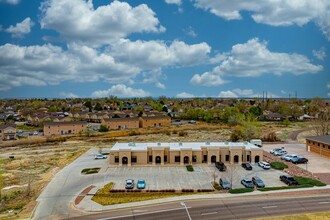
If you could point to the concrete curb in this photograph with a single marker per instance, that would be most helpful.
(87, 205)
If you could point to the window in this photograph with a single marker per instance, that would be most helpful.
(165, 158)
(177, 159)
(227, 157)
(318, 144)
(150, 158)
(116, 159)
(133, 159)
(329, 147)
(194, 158)
(205, 159)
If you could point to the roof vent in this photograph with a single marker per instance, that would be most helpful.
(180, 144)
(159, 144)
(226, 142)
(207, 143)
(246, 143)
(131, 144)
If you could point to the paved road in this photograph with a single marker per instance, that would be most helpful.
(54, 202)
(229, 208)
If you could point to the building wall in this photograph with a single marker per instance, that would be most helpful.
(226, 155)
(121, 124)
(317, 147)
(145, 122)
(59, 129)
(8, 133)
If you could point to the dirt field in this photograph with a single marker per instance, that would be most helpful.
(35, 165)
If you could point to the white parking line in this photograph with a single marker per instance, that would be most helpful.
(269, 207)
(209, 213)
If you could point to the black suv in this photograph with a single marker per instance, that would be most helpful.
(221, 166)
(247, 166)
(297, 160)
(289, 180)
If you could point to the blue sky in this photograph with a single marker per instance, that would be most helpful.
(176, 48)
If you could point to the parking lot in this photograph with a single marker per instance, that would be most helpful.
(177, 177)
(316, 163)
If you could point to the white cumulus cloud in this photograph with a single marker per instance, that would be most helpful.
(12, 2)
(320, 54)
(176, 2)
(68, 95)
(253, 59)
(227, 94)
(21, 28)
(120, 90)
(273, 12)
(185, 95)
(78, 20)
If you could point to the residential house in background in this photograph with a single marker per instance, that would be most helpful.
(120, 123)
(155, 121)
(319, 145)
(61, 128)
(8, 132)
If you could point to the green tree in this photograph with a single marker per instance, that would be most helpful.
(255, 110)
(103, 128)
(98, 107)
(88, 104)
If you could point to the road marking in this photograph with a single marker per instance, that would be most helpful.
(269, 207)
(146, 213)
(140, 210)
(209, 213)
(324, 202)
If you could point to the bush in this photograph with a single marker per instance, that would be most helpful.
(217, 186)
(168, 133)
(103, 128)
(278, 165)
(175, 132)
(190, 168)
(134, 133)
(183, 133)
(240, 190)
(90, 170)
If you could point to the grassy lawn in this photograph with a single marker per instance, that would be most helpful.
(304, 182)
(278, 165)
(307, 216)
(216, 186)
(240, 190)
(104, 197)
(90, 170)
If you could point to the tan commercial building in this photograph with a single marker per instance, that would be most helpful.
(8, 132)
(155, 121)
(319, 145)
(184, 153)
(120, 123)
(61, 128)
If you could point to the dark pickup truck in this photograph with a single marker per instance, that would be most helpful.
(221, 166)
(289, 180)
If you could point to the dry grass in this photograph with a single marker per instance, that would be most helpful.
(307, 216)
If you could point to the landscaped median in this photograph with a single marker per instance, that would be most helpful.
(304, 182)
(108, 196)
(278, 165)
(90, 170)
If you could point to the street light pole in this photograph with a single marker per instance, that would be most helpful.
(184, 205)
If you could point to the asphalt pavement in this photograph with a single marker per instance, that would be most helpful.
(55, 200)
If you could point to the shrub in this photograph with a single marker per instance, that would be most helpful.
(190, 168)
(217, 186)
(103, 128)
(134, 133)
(168, 133)
(278, 165)
(90, 170)
(183, 133)
(175, 132)
(240, 190)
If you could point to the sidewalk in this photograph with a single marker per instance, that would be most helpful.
(87, 205)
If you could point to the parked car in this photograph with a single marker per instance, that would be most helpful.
(192, 122)
(100, 156)
(264, 165)
(258, 182)
(224, 184)
(35, 133)
(289, 180)
(141, 184)
(221, 166)
(247, 183)
(299, 159)
(280, 152)
(274, 150)
(129, 184)
(288, 157)
(247, 166)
